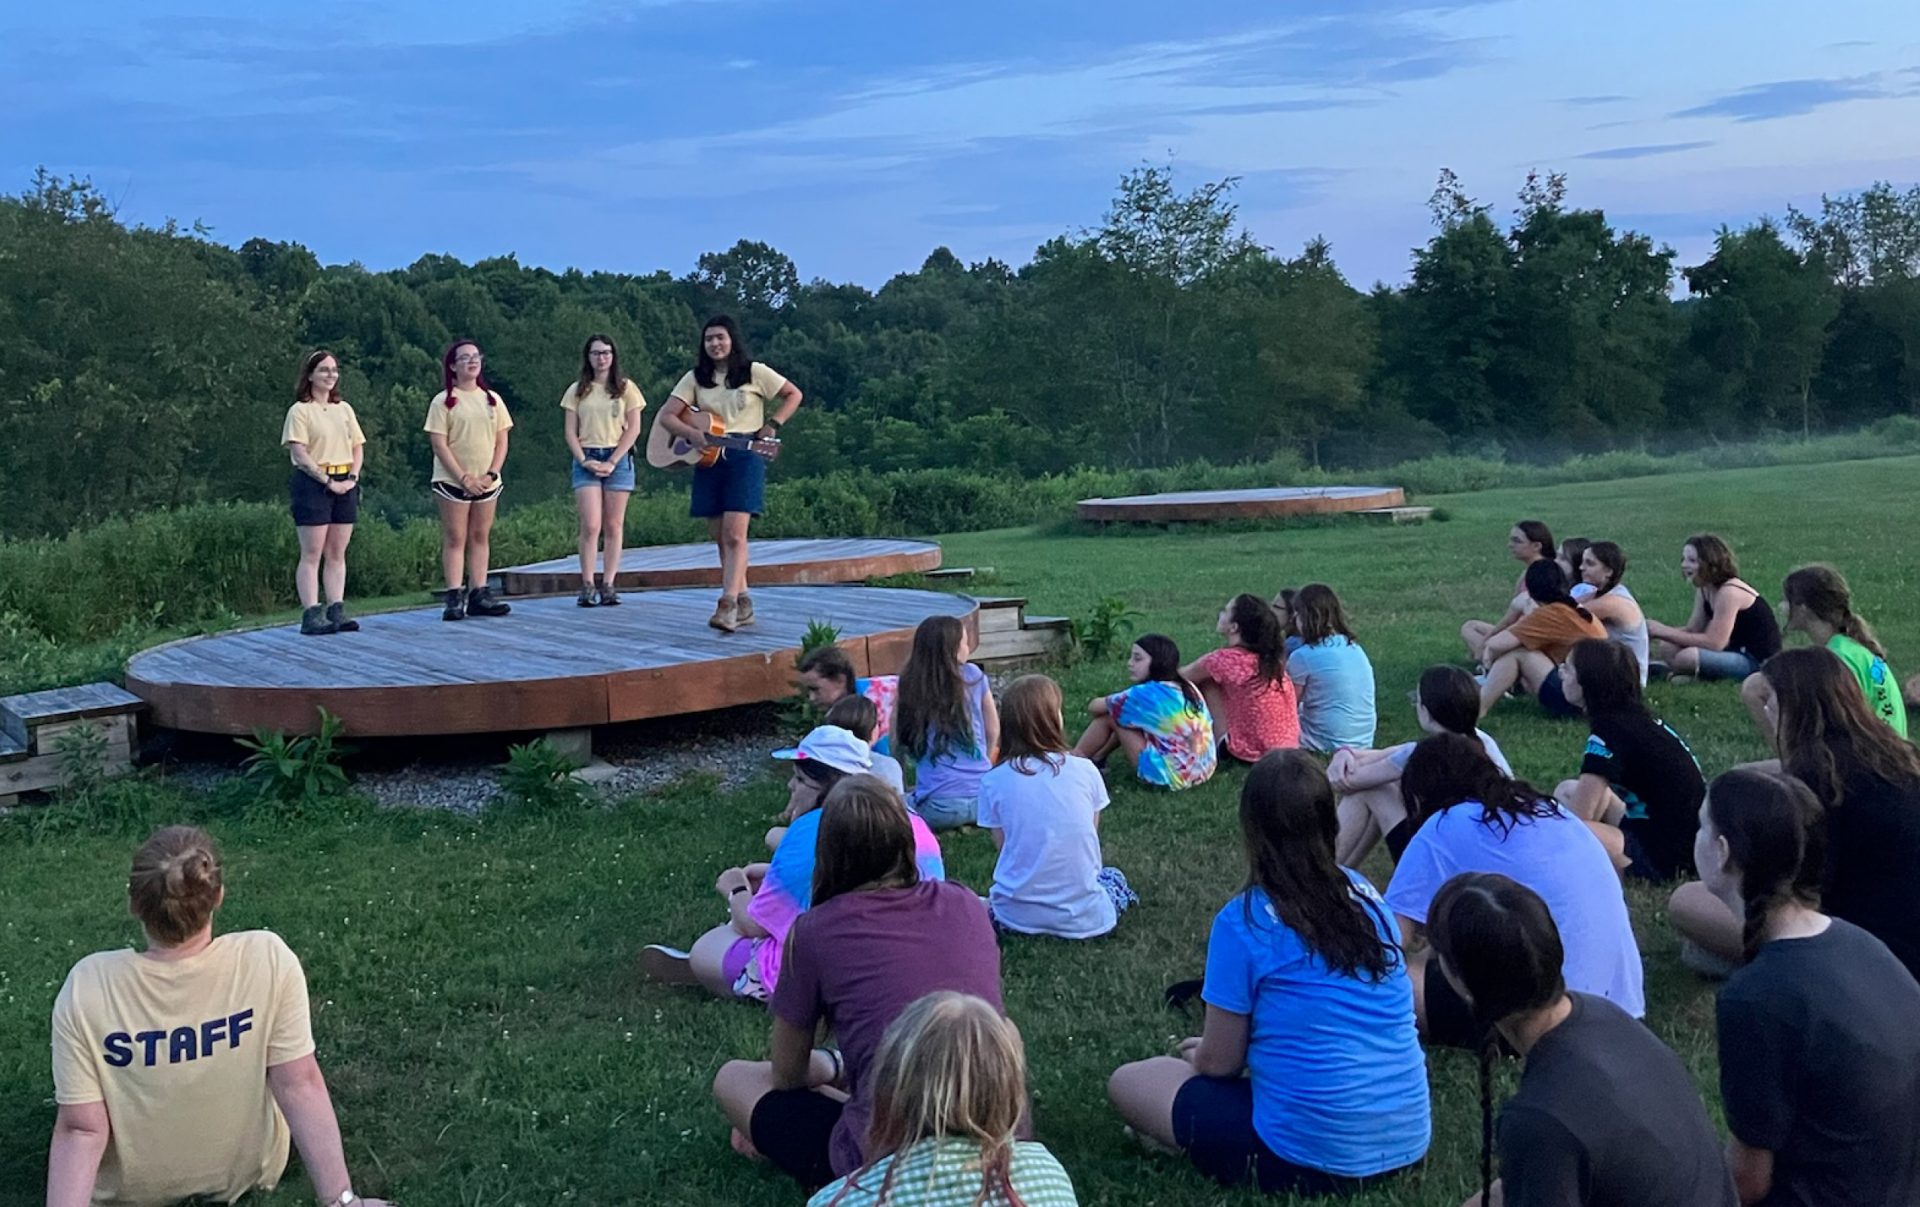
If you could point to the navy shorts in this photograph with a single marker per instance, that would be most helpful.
(794, 1130)
(315, 506)
(1213, 1122)
(736, 482)
(620, 480)
(1553, 698)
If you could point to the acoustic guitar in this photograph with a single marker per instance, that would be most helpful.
(666, 450)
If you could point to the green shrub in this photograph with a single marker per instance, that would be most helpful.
(539, 778)
(297, 778)
(1097, 636)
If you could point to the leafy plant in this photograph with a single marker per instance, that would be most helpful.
(83, 762)
(297, 778)
(540, 777)
(1097, 636)
(797, 713)
(819, 635)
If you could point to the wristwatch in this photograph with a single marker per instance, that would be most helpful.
(347, 1199)
(493, 475)
(353, 477)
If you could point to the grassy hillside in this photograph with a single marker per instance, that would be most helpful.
(475, 1001)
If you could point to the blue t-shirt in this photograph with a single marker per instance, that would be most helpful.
(1335, 681)
(1339, 1079)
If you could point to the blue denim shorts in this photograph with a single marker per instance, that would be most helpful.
(736, 482)
(946, 812)
(1726, 664)
(621, 479)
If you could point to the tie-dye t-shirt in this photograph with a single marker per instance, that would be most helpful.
(787, 891)
(882, 690)
(1179, 731)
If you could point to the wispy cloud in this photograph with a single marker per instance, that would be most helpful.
(1787, 98)
(1646, 151)
(1610, 99)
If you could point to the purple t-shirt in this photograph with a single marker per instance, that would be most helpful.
(956, 773)
(861, 958)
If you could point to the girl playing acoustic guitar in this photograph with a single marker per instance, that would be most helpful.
(727, 386)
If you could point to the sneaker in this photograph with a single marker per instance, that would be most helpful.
(668, 965)
(480, 602)
(743, 609)
(609, 598)
(1706, 963)
(314, 622)
(1658, 670)
(586, 599)
(724, 617)
(456, 605)
(337, 614)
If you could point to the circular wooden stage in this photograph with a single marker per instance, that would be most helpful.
(791, 561)
(550, 665)
(1266, 503)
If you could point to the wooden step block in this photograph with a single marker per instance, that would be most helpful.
(992, 602)
(1397, 515)
(21, 715)
(45, 768)
(11, 748)
(955, 574)
(1047, 622)
(1022, 643)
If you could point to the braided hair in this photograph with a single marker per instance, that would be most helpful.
(1496, 941)
(1776, 837)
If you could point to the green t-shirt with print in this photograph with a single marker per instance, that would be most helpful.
(1876, 679)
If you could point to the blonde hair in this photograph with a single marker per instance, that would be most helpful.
(175, 883)
(1031, 729)
(949, 1066)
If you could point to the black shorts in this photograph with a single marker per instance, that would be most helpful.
(315, 506)
(1449, 1018)
(453, 492)
(1553, 697)
(1213, 1122)
(794, 1130)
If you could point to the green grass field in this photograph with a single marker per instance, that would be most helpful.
(473, 982)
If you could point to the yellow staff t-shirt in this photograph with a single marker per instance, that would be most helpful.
(328, 429)
(742, 410)
(178, 1051)
(602, 416)
(469, 426)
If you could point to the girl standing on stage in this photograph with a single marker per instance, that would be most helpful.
(467, 424)
(729, 385)
(326, 444)
(603, 420)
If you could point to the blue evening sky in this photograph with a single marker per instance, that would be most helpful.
(857, 135)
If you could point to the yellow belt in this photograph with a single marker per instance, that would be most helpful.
(337, 469)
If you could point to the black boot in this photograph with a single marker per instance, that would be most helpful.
(609, 598)
(314, 623)
(337, 616)
(456, 605)
(587, 598)
(480, 602)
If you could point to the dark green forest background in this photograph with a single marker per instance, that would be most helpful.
(150, 367)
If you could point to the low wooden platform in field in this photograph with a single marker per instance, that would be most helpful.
(769, 562)
(550, 665)
(1189, 506)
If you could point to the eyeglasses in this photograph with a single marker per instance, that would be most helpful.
(598, 352)
(469, 358)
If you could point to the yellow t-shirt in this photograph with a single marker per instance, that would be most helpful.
(469, 427)
(603, 417)
(742, 410)
(328, 429)
(178, 1051)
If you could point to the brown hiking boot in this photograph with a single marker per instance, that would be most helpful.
(743, 610)
(725, 615)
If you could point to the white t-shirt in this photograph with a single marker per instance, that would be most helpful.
(1556, 856)
(888, 768)
(1401, 754)
(1047, 880)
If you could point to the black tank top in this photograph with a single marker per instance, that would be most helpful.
(1755, 632)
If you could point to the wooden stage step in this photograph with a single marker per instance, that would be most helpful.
(33, 727)
(550, 665)
(849, 560)
(1191, 506)
(1397, 515)
(1007, 633)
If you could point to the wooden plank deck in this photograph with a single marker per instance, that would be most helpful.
(550, 665)
(769, 562)
(1201, 505)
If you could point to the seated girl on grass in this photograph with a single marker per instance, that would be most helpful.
(1245, 682)
(1528, 542)
(1602, 567)
(1732, 629)
(858, 716)
(1530, 651)
(946, 722)
(1368, 781)
(1820, 605)
(1282, 605)
(827, 677)
(741, 958)
(1331, 674)
(1160, 723)
(1042, 805)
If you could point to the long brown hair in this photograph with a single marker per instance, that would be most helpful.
(1715, 556)
(175, 883)
(949, 1066)
(447, 376)
(1031, 729)
(1828, 734)
(1776, 837)
(931, 717)
(616, 382)
(865, 840)
(1260, 633)
(1823, 591)
(1318, 615)
(303, 392)
(1288, 823)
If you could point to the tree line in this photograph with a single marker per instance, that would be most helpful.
(142, 367)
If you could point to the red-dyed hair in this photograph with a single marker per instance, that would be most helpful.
(446, 373)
